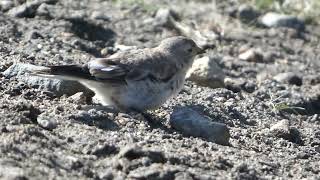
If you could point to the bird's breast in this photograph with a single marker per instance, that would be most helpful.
(149, 94)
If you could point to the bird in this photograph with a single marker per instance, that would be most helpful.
(134, 80)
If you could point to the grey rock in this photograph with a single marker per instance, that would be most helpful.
(28, 9)
(289, 78)
(5, 5)
(9, 170)
(163, 15)
(183, 176)
(78, 98)
(33, 35)
(57, 86)
(312, 79)
(154, 171)
(20, 69)
(251, 55)
(206, 72)
(47, 121)
(191, 123)
(99, 15)
(272, 19)
(281, 129)
(103, 150)
(47, 11)
(135, 152)
(247, 13)
(234, 85)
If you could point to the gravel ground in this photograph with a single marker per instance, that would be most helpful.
(270, 101)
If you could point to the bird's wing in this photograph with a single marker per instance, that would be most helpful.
(108, 69)
(133, 66)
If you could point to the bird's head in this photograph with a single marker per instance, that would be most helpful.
(181, 49)
(181, 46)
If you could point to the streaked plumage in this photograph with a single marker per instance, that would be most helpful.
(134, 80)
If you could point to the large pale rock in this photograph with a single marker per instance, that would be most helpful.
(206, 72)
(57, 86)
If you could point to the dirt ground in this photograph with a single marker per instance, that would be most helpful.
(274, 122)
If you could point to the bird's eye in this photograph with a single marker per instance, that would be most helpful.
(190, 50)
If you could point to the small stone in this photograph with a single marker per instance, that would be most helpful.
(191, 123)
(9, 170)
(281, 129)
(78, 98)
(247, 13)
(39, 46)
(47, 121)
(135, 152)
(162, 17)
(183, 176)
(314, 118)
(272, 19)
(33, 35)
(107, 51)
(289, 78)
(251, 55)
(121, 47)
(106, 174)
(312, 79)
(99, 15)
(154, 171)
(206, 72)
(6, 5)
(269, 57)
(249, 87)
(104, 150)
(45, 10)
(234, 85)
(27, 9)
(302, 155)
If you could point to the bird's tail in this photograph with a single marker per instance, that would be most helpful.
(66, 72)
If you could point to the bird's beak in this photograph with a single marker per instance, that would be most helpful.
(200, 50)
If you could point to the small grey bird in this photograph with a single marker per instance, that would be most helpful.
(135, 80)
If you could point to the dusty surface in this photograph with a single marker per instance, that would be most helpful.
(270, 138)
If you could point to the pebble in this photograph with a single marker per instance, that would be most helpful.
(27, 9)
(191, 123)
(99, 15)
(163, 15)
(78, 98)
(135, 152)
(281, 129)
(47, 121)
(205, 71)
(289, 78)
(247, 13)
(234, 85)
(251, 55)
(6, 5)
(272, 19)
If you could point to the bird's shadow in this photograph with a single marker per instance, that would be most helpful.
(97, 118)
(102, 121)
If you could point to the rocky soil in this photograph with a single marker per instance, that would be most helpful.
(253, 106)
